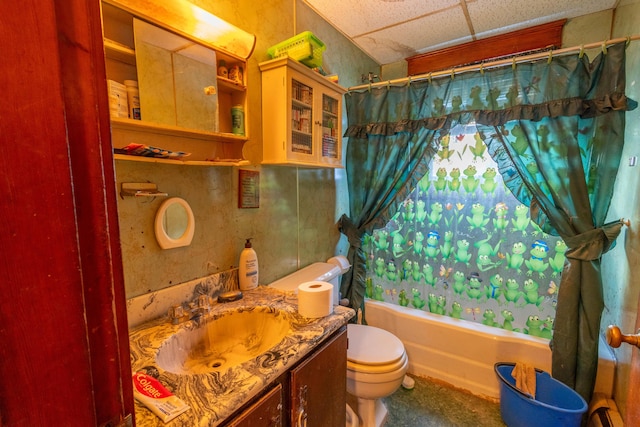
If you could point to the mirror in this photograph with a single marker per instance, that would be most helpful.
(175, 224)
(173, 73)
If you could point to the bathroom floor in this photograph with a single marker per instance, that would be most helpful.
(434, 404)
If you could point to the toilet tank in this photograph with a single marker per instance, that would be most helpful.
(329, 271)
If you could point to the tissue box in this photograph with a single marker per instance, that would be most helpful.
(118, 104)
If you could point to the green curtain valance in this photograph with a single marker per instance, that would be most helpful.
(584, 108)
(532, 91)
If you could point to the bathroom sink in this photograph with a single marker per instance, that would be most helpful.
(223, 342)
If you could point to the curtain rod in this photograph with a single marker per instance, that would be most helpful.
(497, 63)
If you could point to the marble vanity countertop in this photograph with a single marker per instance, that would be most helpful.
(214, 396)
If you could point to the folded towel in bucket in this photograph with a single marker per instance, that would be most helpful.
(525, 376)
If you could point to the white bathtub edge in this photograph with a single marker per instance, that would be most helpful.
(465, 352)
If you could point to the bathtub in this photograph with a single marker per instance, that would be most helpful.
(462, 353)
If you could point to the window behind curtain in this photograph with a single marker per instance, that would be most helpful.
(463, 246)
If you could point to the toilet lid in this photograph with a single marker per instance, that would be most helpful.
(369, 345)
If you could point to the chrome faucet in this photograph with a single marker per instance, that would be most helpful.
(201, 306)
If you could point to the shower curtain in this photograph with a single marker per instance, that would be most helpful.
(555, 129)
(463, 246)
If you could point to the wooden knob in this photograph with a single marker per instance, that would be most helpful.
(615, 338)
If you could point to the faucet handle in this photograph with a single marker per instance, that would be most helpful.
(176, 313)
(204, 302)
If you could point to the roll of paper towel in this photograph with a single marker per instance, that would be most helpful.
(315, 299)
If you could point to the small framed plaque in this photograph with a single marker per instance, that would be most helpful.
(248, 189)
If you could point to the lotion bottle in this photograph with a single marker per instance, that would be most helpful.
(248, 271)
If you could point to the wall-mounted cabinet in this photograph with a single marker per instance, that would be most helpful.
(185, 105)
(301, 116)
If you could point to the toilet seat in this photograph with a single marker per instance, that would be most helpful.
(378, 369)
(373, 350)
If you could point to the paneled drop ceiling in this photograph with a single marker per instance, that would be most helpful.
(392, 30)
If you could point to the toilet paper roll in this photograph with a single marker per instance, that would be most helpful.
(315, 299)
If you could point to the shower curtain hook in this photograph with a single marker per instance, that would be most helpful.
(581, 54)
(550, 56)
(628, 42)
(388, 84)
(369, 89)
(513, 63)
(453, 73)
(408, 81)
(482, 68)
(604, 47)
(430, 74)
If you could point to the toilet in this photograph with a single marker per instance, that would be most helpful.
(376, 366)
(376, 359)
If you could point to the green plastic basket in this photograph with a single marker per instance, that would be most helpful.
(304, 47)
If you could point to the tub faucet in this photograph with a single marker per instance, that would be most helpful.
(201, 306)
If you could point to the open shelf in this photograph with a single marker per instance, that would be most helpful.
(175, 131)
(119, 52)
(129, 158)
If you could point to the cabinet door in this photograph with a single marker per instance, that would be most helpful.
(302, 145)
(319, 386)
(266, 412)
(330, 147)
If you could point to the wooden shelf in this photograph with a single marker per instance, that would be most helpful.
(230, 84)
(129, 158)
(202, 144)
(176, 131)
(119, 52)
(539, 37)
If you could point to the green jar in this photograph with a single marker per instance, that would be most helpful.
(237, 120)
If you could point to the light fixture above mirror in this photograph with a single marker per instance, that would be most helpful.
(193, 22)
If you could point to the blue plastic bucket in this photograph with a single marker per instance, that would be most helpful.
(555, 404)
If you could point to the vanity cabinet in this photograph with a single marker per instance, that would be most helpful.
(301, 116)
(267, 411)
(185, 103)
(319, 386)
(313, 392)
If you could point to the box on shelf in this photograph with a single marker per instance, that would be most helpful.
(304, 47)
(118, 104)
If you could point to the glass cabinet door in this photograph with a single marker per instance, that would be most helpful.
(330, 144)
(301, 119)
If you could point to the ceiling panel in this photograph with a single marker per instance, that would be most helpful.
(401, 41)
(489, 15)
(392, 30)
(356, 17)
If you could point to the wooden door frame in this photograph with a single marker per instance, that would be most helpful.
(632, 410)
(63, 327)
(93, 175)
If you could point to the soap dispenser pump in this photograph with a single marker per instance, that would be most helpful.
(248, 270)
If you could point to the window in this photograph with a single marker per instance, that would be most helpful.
(463, 246)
